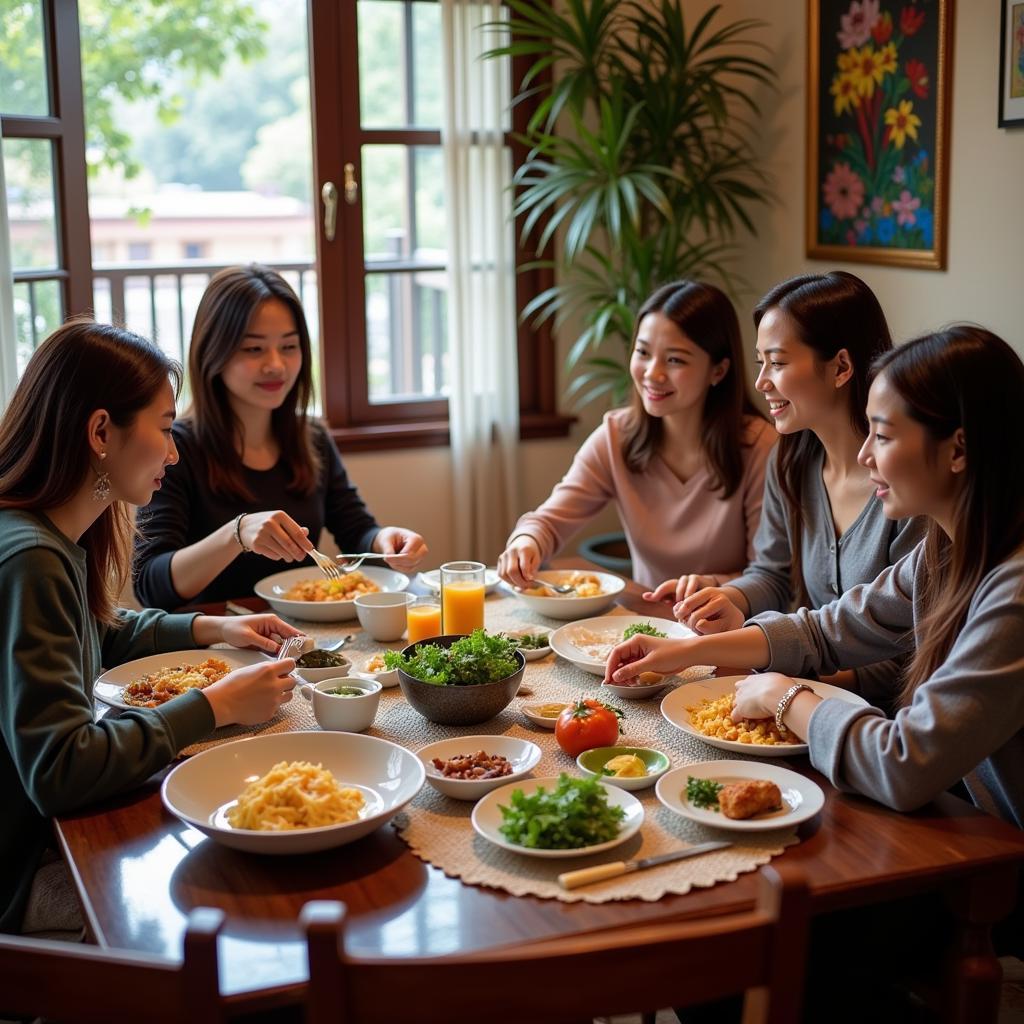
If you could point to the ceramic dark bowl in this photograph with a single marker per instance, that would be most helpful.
(459, 705)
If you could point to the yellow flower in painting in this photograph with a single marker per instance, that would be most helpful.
(901, 123)
(887, 59)
(866, 71)
(845, 92)
(846, 60)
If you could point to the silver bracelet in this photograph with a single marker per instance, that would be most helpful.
(787, 699)
(238, 531)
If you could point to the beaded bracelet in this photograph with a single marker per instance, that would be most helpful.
(787, 699)
(238, 532)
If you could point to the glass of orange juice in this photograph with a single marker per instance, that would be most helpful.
(423, 616)
(462, 597)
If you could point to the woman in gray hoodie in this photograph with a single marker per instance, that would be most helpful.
(939, 446)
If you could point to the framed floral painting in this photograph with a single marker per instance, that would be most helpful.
(1011, 65)
(878, 94)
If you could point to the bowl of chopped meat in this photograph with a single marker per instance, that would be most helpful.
(468, 767)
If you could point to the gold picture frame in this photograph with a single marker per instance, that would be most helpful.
(878, 120)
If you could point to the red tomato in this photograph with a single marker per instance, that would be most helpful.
(585, 725)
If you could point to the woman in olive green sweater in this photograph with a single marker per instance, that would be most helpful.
(86, 433)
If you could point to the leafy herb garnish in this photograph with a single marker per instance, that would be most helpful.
(703, 792)
(641, 627)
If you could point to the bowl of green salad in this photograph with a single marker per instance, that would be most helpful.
(459, 680)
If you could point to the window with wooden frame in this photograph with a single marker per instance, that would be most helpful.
(44, 164)
(376, 72)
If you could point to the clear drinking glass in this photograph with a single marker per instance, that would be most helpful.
(423, 617)
(462, 597)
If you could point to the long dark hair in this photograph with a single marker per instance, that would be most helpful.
(706, 316)
(44, 447)
(225, 312)
(829, 312)
(963, 378)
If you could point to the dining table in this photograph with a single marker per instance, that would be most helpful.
(139, 871)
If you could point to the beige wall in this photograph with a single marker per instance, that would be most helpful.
(985, 272)
(983, 282)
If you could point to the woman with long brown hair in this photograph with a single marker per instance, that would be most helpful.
(258, 478)
(87, 433)
(822, 529)
(938, 447)
(684, 462)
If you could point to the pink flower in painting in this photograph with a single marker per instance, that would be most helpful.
(844, 192)
(857, 23)
(876, 204)
(904, 208)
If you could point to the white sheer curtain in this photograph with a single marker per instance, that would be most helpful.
(483, 371)
(8, 352)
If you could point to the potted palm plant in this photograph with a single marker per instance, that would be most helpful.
(651, 172)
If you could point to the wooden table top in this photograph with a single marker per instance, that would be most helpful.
(140, 871)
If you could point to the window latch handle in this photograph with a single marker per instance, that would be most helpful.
(329, 194)
(351, 185)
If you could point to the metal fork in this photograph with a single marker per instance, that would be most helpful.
(327, 565)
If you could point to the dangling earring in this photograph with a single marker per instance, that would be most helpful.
(101, 489)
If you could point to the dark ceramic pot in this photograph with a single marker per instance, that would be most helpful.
(459, 705)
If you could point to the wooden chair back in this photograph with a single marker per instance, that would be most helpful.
(634, 969)
(70, 983)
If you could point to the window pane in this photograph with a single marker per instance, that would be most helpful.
(23, 85)
(407, 335)
(38, 310)
(399, 47)
(28, 166)
(403, 204)
(206, 163)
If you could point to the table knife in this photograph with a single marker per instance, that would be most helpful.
(586, 876)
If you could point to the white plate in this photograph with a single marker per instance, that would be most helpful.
(535, 653)
(562, 639)
(555, 606)
(108, 686)
(273, 588)
(487, 818)
(801, 798)
(674, 709)
(200, 790)
(432, 580)
(544, 723)
(521, 754)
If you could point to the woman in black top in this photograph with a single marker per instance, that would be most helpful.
(257, 480)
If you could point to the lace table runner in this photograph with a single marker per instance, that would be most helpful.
(438, 830)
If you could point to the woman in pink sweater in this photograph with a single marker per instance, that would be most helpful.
(684, 462)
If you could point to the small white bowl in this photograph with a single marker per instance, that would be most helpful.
(344, 714)
(531, 653)
(522, 754)
(202, 788)
(545, 723)
(387, 678)
(555, 606)
(383, 615)
(642, 691)
(273, 588)
(316, 675)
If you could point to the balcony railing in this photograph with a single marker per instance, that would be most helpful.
(159, 300)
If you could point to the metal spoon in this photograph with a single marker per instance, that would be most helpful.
(558, 588)
(336, 645)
